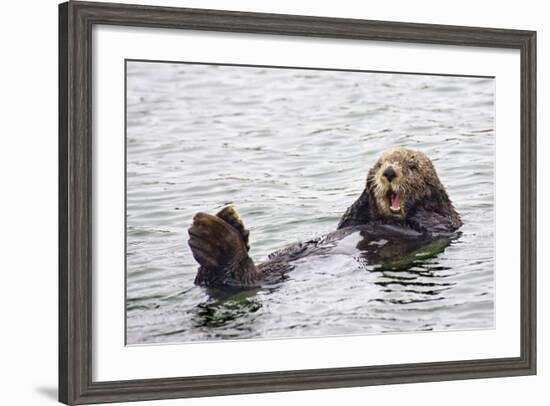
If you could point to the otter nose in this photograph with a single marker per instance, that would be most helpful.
(389, 174)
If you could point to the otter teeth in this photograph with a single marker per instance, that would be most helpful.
(395, 202)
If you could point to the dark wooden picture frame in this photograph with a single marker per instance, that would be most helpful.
(76, 20)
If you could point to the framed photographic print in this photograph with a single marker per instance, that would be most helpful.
(257, 202)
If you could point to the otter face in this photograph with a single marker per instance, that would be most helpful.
(399, 180)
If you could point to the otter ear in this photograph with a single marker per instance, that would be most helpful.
(231, 216)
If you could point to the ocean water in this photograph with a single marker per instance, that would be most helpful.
(290, 149)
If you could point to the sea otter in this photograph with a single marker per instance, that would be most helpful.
(402, 207)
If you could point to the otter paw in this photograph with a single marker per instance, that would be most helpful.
(230, 215)
(215, 243)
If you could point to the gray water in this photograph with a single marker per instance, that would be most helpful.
(290, 149)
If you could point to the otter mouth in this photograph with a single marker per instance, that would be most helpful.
(394, 201)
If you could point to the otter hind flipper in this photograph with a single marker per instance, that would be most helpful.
(230, 215)
(222, 253)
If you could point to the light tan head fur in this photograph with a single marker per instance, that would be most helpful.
(401, 179)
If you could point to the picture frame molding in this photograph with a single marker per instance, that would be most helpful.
(76, 20)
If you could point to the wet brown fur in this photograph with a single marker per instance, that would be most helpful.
(221, 248)
(220, 243)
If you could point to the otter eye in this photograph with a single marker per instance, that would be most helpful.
(413, 167)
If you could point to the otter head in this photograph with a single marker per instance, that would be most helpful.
(400, 180)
